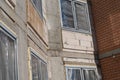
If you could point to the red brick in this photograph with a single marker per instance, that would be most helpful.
(106, 18)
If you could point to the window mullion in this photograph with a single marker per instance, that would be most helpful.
(74, 14)
(82, 74)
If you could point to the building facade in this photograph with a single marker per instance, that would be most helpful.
(106, 18)
(47, 40)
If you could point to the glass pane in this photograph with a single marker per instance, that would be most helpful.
(7, 57)
(89, 75)
(86, 75)
(74, 74)
(92, 75)
(67, 15)
(43, 71)
(46, 75)
(82, 16)
(38, 5)
(35, 71)
(39, 69)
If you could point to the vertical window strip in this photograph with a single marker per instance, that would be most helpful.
(8, 56)
(39, 68)
(67, 13)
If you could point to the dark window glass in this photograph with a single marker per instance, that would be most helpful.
(35, 69)
(82, 16)
(39, 69)
(89, 75)
(74, 74)
(75, 15)
(67, 15)
(44, 71)
(38, 6)
(7, 57)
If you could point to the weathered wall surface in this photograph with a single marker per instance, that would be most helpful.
(57, 47)
(36, 21)
(56, 68)
(111, 68)
(7, 18)
(77, 41)
(52, 17)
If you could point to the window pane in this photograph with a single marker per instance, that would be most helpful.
(67, 15)
(38, 5)
(7, 57)
(89, 75)
(74, 74)
(82, 16)
(35, 70)
(44, 71)
(39, 69)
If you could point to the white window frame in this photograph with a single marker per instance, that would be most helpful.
(81, 70)
(6, 30)
(75, 17)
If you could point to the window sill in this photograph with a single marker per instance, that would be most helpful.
(11, 3)
(76, 30)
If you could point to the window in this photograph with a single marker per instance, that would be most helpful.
(7, 56)
(81, 74)
(11, 3)
(75, 15)
(38, 6)
(39, 68)
(74, 74)
(89, 74)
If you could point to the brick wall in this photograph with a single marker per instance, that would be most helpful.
(111, 68)
(106, 14)
(106, 18)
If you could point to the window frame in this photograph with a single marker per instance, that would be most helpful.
(39, 13)
(8, 32)
(76, 29)
(41, 60)
(11, 3)
(81, 70)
